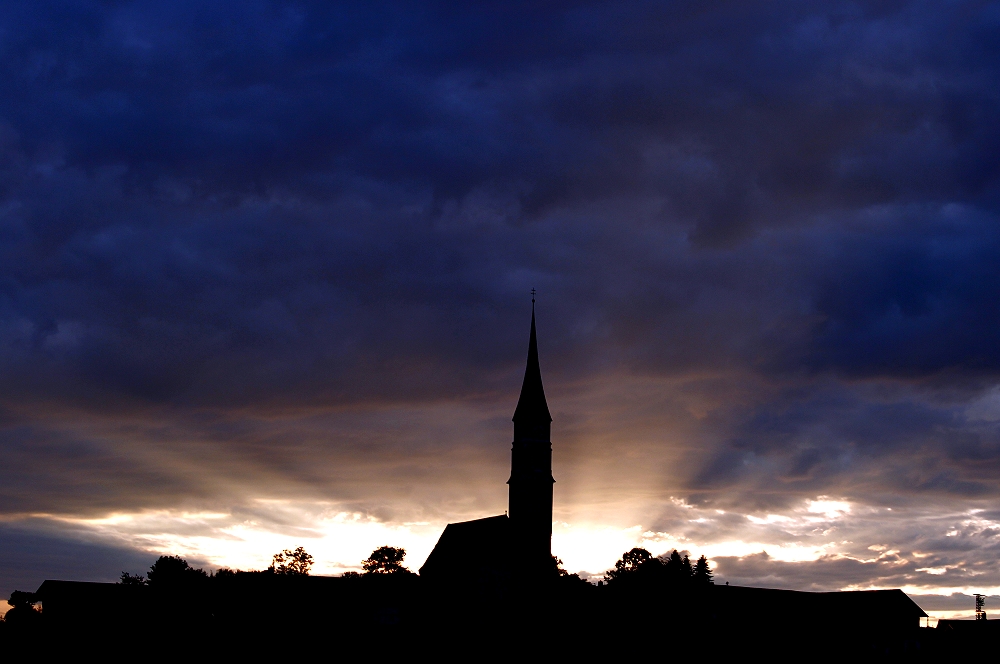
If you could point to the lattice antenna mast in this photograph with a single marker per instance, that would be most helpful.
(980, 607)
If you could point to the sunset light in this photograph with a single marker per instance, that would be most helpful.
(434, 321)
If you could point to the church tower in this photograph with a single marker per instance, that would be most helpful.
(530, 492)
(516, 546)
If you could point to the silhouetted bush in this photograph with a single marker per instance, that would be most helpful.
(563, 579)
(127, 579)
(557, 567)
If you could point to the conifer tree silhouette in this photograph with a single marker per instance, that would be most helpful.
(702, 572)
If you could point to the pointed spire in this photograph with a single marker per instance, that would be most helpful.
(531, 406)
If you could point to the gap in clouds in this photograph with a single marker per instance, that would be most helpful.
(247, 536)
(820, 545)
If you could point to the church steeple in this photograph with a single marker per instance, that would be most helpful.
(531, 406)
(530, 493)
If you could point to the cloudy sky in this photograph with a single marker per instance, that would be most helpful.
(264, 276)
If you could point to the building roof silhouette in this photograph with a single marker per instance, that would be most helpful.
(969, 626)
(877, 609)
(471, 549)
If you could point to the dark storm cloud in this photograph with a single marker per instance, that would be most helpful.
(193, 186)
(217, 219)
(816, 436)
(27, 555)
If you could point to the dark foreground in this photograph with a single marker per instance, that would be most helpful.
(256, 616)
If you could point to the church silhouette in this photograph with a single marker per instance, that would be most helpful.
(487, 582)
(519, 543)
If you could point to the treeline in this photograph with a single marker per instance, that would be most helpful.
(636, 568)
(175, 573)
(174, 570)
(640, 567)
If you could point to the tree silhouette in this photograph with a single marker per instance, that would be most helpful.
(22, 600)
(702, 572)
(385, 560)
(557, 567)
(629, 564)
(173, 570)
(292, 563)
(563, 577)
(127, 579)
(23, 612)
(674, 565)
(671, 570)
